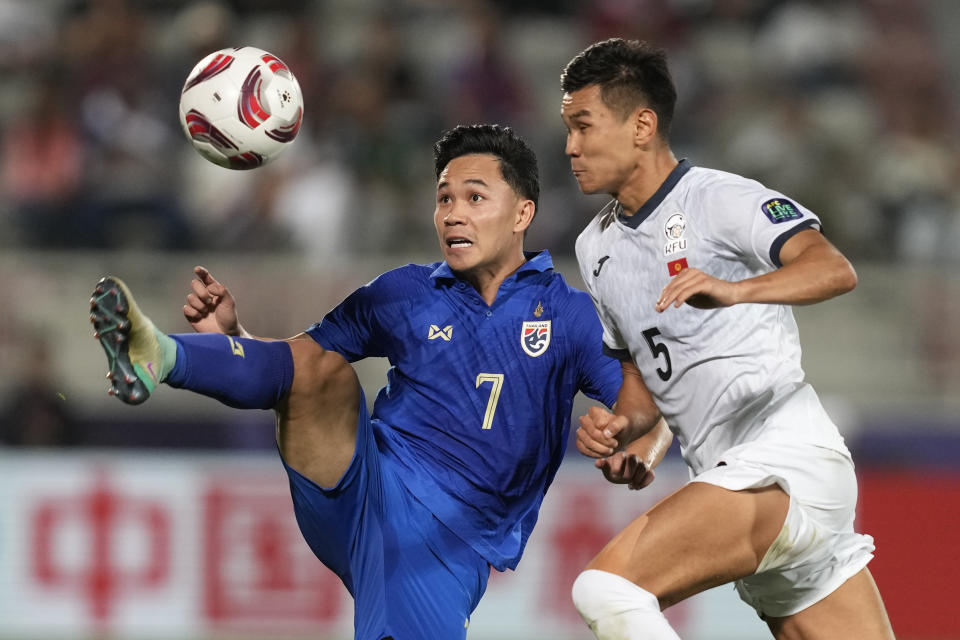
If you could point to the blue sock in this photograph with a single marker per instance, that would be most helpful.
(239, 372)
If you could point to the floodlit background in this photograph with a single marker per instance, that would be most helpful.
(172, 520)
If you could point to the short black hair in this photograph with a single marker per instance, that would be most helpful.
(518, 162)
(630, 73)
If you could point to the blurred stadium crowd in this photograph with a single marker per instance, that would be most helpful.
(850, 106)
(846, 105)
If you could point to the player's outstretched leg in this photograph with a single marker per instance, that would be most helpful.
(244, 373)
(138, 355)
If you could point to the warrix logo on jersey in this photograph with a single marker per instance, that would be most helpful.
(444, 334)
(535, 337)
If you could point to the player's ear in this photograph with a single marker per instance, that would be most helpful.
(645, 126)
(525, 211)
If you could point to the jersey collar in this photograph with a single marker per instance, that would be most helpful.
(537, 261)
(650, 205)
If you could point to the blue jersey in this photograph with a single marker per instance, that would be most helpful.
(476, 410)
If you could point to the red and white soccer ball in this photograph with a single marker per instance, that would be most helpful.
(241, 107)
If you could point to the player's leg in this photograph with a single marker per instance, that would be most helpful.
(242, 373)
(316, 392)
(855, 610)
(317, 419)
(699, 537)
(614, 608)
(138, 355)
(435, 580)
(409, 575)
(814, 583)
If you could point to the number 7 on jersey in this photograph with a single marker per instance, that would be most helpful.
(496, 380)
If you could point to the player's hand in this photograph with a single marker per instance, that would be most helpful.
(625, 468)
(210, 308)
(698, 290)
(597, 434)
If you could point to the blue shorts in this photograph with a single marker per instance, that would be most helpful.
(410, 576)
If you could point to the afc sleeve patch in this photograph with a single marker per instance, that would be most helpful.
(780, 210)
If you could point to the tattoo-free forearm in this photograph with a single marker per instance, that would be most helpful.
(635, 403)
(813, 271)
(653, 445)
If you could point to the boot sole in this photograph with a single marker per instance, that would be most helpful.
(109, 309)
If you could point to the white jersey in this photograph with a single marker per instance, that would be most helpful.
(715, 374)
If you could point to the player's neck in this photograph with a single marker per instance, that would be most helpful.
(487, 279)
(651, 172)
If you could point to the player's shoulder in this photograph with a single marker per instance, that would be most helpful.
(723, 197)
(403, 280)
(721, 182)
(713, 185)
(571, 301)
(597, 226)
(411, 271)
(561, 288)
(540, 272)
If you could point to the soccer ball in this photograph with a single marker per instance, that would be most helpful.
(241, 107)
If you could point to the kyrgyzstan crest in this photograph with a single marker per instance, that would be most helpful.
(674, 230)
(535, 337)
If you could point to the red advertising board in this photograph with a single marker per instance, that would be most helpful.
(914, 518)
(258, 571)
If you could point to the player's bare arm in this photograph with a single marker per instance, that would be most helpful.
(603, 432)
(634, 403)
(813, 271)
(634, 465)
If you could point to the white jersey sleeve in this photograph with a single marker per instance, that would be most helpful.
(751, 222)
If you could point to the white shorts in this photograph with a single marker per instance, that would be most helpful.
(817, 550)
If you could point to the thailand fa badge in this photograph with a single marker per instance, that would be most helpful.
(535, 337)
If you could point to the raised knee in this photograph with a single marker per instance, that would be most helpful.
(587, 594)
(317, 424)
(616, 609)
(317, 370)
(601, 594)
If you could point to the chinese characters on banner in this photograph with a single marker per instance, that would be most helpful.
(196, 546)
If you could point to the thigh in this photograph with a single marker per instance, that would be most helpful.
(818, 549)
(341, 521)
(854, 610)
(699, 537)
(409, 575)
(434, 581)
(317, 420)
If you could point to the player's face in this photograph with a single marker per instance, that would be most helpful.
(600, 142)
(479, 218)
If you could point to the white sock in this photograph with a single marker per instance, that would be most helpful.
(616, 609)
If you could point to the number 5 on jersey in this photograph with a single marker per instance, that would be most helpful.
(496, 380)
(659, 349)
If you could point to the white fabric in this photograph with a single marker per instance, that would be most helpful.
(616, 609)
(727, 366)
(729, 381)
(817, 549)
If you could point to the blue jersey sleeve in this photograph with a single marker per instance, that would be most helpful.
(353, 328)
(600, 375)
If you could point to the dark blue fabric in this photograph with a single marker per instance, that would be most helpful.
(449, 351)
(410, 576)
(239, 372)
